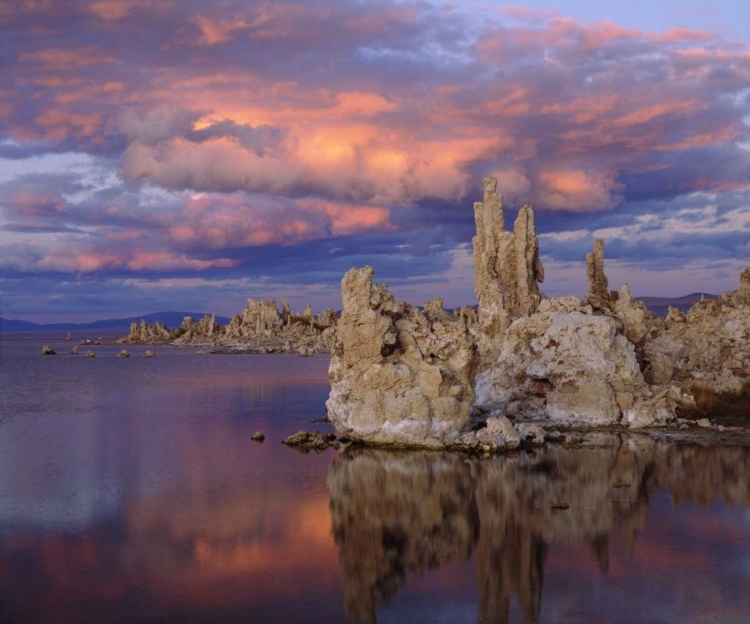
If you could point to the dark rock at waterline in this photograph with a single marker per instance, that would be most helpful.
(313, 440)
(258, 436)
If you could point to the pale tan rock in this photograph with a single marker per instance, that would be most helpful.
(74, 350)
(397, 378)
(149, 354)
(89, 354)
(660, 369)
(499, 433)
(266, 329)
(562, 366)
(597, 294)
(710, 345)
(634, 315)
(507, 264)
(48, 350)
(123, 354)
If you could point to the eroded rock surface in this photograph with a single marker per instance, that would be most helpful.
(398, 376)
(597, 294)
(568, 367)
(401, 376)
(507, 264)
(261, 328)
(710, 345)
(310, 440)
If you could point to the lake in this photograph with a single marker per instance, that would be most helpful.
(130, 491)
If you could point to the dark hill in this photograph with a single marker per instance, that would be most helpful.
(171, 319)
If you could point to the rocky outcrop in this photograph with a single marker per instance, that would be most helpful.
(404, 377)
(710, 345)
(597, 294)
(261, 328)
(398, 376)
(507, 264)
(634, 315)
(573, 367)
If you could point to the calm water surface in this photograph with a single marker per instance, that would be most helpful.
(130, 491)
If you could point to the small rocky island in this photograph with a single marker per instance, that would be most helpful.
(524, 363)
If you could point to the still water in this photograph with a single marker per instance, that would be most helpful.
(130, 491)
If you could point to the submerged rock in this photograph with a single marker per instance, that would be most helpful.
(48, 350)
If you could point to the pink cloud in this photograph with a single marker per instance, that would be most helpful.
(578, 190)
(136, 260)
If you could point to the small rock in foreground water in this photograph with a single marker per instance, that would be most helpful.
(123, 354)
(149, 354)
(47, 350)
(258, 436)
(90, 354)
(311, 440)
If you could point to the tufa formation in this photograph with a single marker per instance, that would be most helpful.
(493, 379)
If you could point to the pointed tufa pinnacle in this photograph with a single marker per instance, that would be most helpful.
(743, 291)
(507, 264)
(597, 294)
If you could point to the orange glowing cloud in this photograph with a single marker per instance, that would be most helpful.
(578, 190)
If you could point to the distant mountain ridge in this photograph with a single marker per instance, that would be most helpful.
(659, 305)
(170, 318)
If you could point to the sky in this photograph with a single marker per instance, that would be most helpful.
(187, 155)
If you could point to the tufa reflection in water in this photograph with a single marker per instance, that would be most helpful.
(399, 513)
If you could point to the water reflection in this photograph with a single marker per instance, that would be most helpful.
(399, 514)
